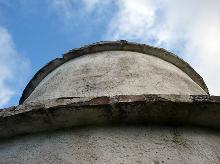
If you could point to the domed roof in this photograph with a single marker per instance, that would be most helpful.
(114, 68)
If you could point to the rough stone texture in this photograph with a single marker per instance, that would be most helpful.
(48, 115)
(116, 144)
(154, 108)
(112, 73)
(121, 129)
(113, 46)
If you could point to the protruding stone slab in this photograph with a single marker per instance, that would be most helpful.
(48, 115)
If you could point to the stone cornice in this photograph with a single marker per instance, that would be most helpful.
(49, 115)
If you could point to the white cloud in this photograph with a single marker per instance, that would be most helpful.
(13, 68)
(90, 5)
(132, 20)
(71, 10)
(64, 7)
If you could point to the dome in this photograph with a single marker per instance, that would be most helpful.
(114, 68)
(113, 102)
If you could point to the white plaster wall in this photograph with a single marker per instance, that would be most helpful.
(112, 73)
(115, 144)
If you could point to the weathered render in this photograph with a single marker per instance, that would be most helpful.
(123, 62)
(113, 102)
(115, 144)
(112, 73)
(119, 129)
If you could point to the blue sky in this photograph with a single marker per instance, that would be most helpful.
(34, 32)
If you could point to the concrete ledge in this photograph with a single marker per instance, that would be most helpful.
(113, 46)
(49, 115)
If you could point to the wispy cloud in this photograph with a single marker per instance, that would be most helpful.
(13, 68)
(132, 20)
(71, 10)
(65, 8)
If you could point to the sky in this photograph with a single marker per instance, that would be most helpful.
(34, 32)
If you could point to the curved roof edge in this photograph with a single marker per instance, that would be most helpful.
(121, 45)
(200, 111)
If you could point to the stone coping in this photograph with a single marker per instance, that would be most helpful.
(49, 115)
(112, 46)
